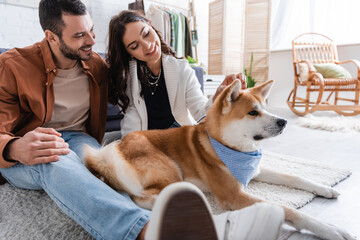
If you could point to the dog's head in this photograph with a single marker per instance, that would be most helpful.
(239, 119)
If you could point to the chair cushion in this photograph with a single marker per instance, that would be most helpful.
(332, 70)
(303, 72)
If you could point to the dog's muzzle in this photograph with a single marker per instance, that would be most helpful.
(272, 130)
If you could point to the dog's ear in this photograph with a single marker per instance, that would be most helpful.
(232, 93)
(263, 90)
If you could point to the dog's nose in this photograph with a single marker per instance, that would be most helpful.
(281, 123)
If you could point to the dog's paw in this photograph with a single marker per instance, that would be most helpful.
(331, 232)
(341, 234)
(327, 192)
(320, 228)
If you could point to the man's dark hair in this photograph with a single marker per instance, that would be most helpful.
(50, 13)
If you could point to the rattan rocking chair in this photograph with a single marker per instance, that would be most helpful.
(314, 48)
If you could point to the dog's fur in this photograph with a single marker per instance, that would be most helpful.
(144, 162)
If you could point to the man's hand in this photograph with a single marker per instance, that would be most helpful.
(42, 145)
(228, 80)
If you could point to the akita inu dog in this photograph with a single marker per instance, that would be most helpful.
(220, 155)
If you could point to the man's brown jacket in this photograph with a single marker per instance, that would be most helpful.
(27, 94)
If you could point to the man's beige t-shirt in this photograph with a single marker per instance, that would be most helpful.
(72, 100)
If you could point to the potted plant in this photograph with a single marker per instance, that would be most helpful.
(250, 81)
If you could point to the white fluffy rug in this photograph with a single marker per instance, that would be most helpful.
(26, 214)
(333, 124)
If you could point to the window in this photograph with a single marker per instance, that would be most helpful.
(337, 19)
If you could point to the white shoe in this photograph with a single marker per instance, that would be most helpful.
(260, 221)
(181, 212)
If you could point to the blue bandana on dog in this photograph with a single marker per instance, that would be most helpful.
(241, 164)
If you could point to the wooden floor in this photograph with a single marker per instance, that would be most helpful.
(339, 149)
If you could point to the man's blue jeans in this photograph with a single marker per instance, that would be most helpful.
(103, 212)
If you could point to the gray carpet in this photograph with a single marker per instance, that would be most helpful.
(28, 214)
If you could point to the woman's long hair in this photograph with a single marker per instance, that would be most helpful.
(118, 58)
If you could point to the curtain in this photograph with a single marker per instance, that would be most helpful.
(336, 19)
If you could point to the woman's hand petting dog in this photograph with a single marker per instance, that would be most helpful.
(228, 80)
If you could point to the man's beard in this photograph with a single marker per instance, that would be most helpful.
(73, 54)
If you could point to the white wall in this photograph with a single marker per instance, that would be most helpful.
(101, 12)
(202, 20)
(282, 71)
(19, 26)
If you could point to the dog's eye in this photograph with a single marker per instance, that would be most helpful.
(253, 113)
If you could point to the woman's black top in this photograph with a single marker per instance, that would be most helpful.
(158, 105)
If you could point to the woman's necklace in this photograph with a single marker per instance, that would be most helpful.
(153, 84)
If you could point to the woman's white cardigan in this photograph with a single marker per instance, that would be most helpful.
(187, 102)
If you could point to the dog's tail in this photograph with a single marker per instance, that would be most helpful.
(107, 164)
(94, 161)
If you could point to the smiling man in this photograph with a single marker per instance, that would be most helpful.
(53, 100)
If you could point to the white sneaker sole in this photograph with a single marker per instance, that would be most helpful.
(181, 212)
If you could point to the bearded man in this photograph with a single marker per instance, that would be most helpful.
(53, 100)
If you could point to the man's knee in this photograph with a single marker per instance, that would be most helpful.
(22, 176)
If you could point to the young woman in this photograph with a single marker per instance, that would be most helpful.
(154, 88)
